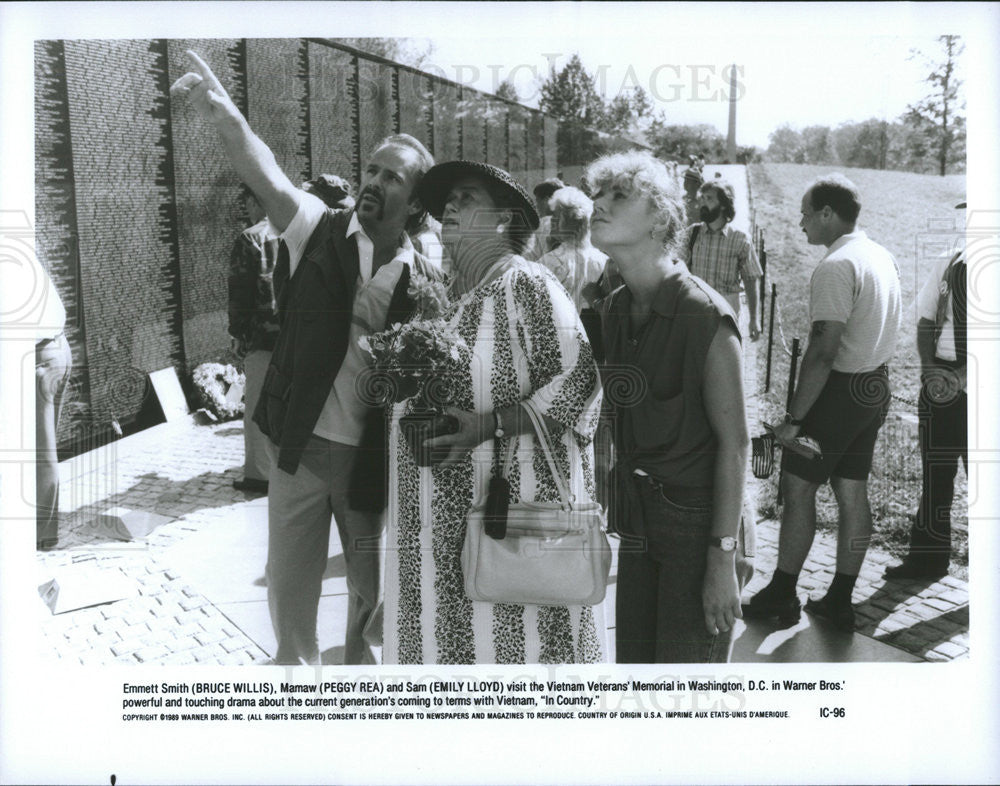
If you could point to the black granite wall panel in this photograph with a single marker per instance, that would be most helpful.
(447, 128)
(516, 132)
(127, 238)
(56, 241)
(333, 94)
(415, 106)
(377, 111)
(206, 191)
(535, 146)
(471, 111)
(495, 119)
(277, 90)
(551, 147)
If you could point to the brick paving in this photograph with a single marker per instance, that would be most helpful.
(183, 472)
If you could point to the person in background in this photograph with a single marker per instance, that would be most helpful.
(574, 260)
(425, 234)
(721, 254)
(253, 319)
(942, 409)
(53, 365)
(840, 401)
(542, 241)
(692, 179)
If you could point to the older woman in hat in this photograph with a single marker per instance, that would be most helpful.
(525, 342)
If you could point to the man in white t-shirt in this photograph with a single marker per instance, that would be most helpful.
(842, 397)
(339, 275)
(943, 415)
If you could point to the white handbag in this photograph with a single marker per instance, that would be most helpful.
(548, 553)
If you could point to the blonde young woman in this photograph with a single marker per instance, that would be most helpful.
(681, 441)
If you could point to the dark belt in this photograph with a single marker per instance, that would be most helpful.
(46, 341)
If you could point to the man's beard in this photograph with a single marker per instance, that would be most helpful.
(709, 215)
(377, 211)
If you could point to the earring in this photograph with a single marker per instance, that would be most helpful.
(500, 229)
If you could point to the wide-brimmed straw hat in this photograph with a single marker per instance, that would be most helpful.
(437, 182)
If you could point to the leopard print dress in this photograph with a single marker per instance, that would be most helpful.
(428, 617)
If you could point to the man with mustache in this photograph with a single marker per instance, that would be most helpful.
(722, 255)
(339, 275)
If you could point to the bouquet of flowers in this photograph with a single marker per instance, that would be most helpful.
(413, 361)
(407, 356)
(430, 297)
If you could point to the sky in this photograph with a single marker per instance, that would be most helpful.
(780, 78)
(801, 64)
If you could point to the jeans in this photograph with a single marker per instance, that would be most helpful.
(660, 617)
(299, 509)
(257, 463)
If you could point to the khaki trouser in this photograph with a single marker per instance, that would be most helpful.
(257, 462)
(299, 508)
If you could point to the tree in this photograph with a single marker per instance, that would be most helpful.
(864, 144)
(570, 95)
(937, 114)
(507, 91)
(627, 112)
(818, 145)
(785, 145)
(677, 142)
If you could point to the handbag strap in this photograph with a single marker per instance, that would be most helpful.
(545, 440)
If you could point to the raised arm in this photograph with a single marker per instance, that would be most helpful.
(251, 158)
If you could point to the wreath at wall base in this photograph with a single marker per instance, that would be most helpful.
(220, 389)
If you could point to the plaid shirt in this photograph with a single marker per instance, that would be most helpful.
(721, 258)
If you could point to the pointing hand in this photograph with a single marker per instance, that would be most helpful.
(205, 93)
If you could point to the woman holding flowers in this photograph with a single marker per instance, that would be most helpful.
(512, 335)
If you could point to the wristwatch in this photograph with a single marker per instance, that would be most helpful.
(499, 433)
(792, 421)
(724, 544)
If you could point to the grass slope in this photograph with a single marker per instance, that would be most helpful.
(914, 217)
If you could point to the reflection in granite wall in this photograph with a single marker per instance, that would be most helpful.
(206, 190)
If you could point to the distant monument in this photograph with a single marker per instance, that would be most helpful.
(731, 136)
